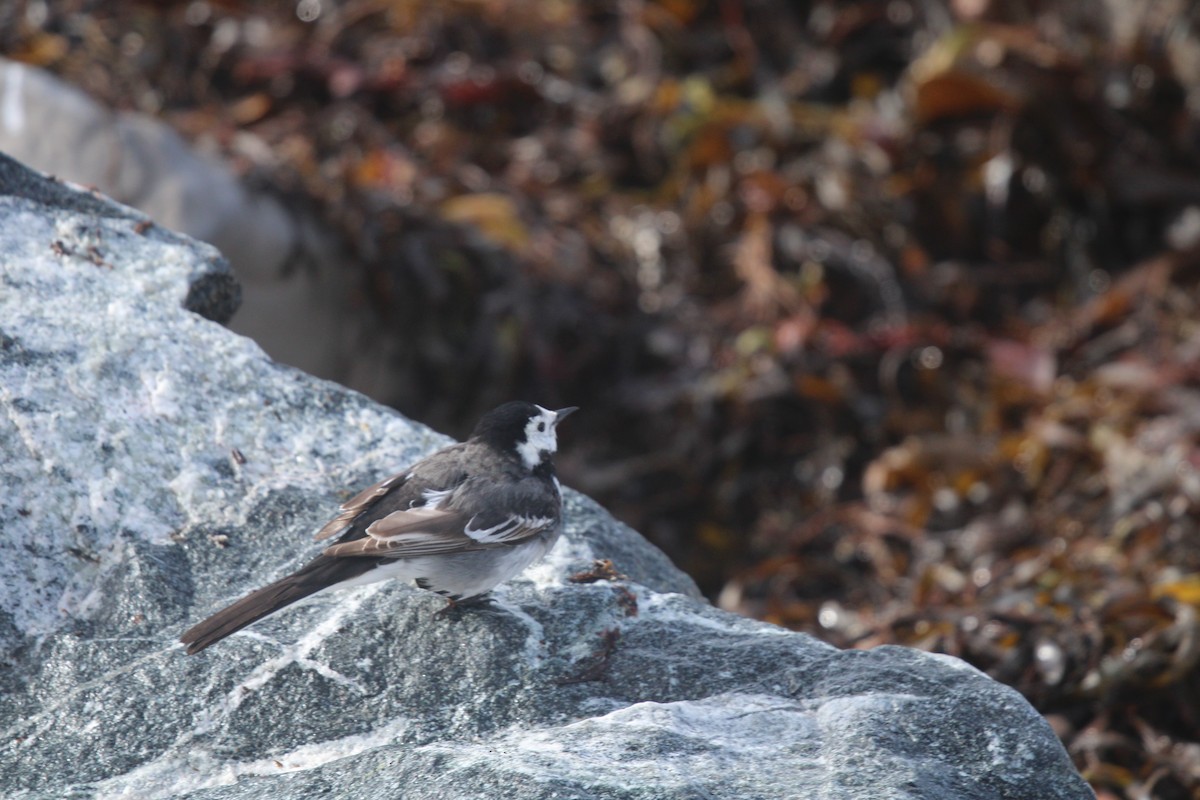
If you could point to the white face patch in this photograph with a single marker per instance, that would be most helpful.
(539, 438)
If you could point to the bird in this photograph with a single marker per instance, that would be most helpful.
(459, 523)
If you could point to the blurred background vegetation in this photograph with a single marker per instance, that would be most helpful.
(883, 315)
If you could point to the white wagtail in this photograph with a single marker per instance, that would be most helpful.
(459, 523)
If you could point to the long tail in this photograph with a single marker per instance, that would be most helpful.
(318, 574)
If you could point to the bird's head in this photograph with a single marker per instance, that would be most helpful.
(526, 429)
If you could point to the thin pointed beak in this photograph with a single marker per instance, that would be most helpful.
(563, 413)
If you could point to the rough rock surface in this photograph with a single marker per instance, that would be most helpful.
(294, 291)
(157, 466)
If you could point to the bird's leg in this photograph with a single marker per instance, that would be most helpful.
(454, 608)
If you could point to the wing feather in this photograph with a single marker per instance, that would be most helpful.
(510, 530)
(427, 531)
(359, 503)
(421, 519)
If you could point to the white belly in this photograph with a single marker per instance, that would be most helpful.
(461, 575)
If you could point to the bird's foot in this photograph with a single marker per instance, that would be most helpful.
(454, 609)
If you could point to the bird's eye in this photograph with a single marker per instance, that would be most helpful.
(541, 427)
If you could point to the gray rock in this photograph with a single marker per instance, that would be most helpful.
(157, 466)
(295, 282)
(139, 160)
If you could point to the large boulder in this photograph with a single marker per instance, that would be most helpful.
(295, 296)
(156, 466)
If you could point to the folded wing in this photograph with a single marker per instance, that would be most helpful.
(356, 505)
(435, 531)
